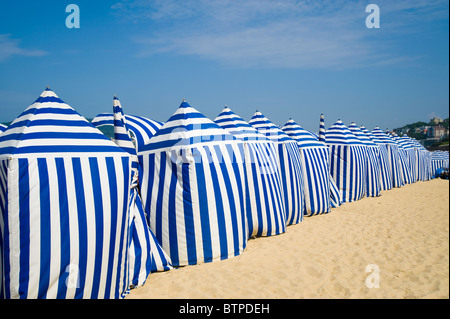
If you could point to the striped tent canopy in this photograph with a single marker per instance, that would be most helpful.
(316, 173)
(373, 168)
(395, 167)
(3, 127)
(385, 168)
(64, 191)
(289, 164)
(141, 127)
(266, 213)
(347, 161)
(145, 253)
(193, 189)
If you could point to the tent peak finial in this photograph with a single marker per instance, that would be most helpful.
(184, 100)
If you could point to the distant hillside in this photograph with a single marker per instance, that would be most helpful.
(418, 130)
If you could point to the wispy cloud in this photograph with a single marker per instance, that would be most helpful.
(10, 47)
(282, 34)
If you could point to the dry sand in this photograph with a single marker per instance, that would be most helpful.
(404, 232)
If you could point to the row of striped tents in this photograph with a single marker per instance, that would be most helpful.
(289, 165)
(146, 254)
(193, 189)
(347, 161)
(140, 128)
(266, 215)
(373, 168)
(314, 157)
(64, 198)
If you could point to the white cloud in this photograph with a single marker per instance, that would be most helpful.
(10, 47)
(269, 33)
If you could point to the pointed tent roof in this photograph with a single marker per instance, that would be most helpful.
(268, 129)
(368, 133)
(303, 137)
(322, 128)
(417, 144)
(406, 142)
(121, 134)
(51, 127)
(338, 133)
(361, 135)
(237, 126)
(187, 127)
(380, 137)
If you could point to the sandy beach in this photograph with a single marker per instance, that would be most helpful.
(403, 236)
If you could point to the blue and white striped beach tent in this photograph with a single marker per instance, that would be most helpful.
(393, 156)
(64, 199)
(385, 168)
(3, 127)
(316, 172)
(405, 169)
(289, 164)
(423, 158)
(193, 189)
(373, 169)
(335, 194)
(141, 127)
(347, 161)
(410, 151)
(145, 253)
(439, 160)
(266, 214)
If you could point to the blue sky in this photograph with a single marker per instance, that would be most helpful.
(288, 59)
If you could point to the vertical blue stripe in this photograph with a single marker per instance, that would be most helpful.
(219, 210)
(98, 213)
(113, 190)
(173, 243)
(5, 253)
(124, 233)
(24, 227)
(188, 215)
(231, 197)
(159, 201)
(45, 228)
(64, 227)
(82, 226)
(204, 210)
